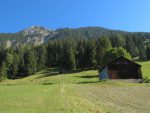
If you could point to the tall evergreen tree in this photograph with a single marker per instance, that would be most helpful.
(142, 52)
(130, 46)
(29, 63)
(15, 66)
(81, 61)
(69, 57)
(118, 40)
(91, 54)
(9, 61)
(3, 71)
(148, 52)
(41, 57)
(103, 44)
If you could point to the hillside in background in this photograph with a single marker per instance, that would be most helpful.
(37, 35)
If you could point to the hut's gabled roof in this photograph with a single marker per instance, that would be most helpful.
(121, 57)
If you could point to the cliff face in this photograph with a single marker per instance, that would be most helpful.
(34, 35)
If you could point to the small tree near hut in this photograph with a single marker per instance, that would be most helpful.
(114, 53)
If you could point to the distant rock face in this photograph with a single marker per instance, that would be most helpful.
(36, 35)
(36, 30)
(8, 44)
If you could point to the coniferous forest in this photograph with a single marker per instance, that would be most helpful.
(70, 53)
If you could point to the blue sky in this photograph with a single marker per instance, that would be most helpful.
(128, 15)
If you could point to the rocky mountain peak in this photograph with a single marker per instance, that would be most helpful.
(36, 30)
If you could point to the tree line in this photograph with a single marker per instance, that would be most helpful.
(69, 53)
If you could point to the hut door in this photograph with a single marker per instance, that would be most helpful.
(113, 74)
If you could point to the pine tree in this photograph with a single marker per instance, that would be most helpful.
(118, 40)
(131, 47)
(29, 63)
(9, 61)
(3, 71)
(51, 54)
(71, 60)
(81, 61)
(148, 52)
(142, 52)
(41, 57)
(90, 54)
(103, 44)
(69, 57)
(15, 66)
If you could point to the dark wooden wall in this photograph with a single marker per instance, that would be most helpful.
(124, 69)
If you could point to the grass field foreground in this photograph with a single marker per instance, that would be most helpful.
(78, 92)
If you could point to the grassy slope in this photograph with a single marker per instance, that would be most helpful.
(73, 93)
(46, 93)
(145, 68)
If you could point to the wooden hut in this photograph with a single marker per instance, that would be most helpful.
(121, 68)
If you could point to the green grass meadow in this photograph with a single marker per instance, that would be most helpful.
(77, 92)
(145, 69)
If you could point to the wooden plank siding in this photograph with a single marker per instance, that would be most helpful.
(123, 68)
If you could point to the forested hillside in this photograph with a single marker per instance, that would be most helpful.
(37, 48)
(37, 35)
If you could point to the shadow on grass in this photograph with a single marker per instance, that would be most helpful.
(56, 71)
(48, 75)
(91, 82)
(47, 83)
(88, 76)
(47, 71)
(145, 80)
(88, 82)
(20, 84)
(64, 71)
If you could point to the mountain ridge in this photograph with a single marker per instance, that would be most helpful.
(37, 35)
